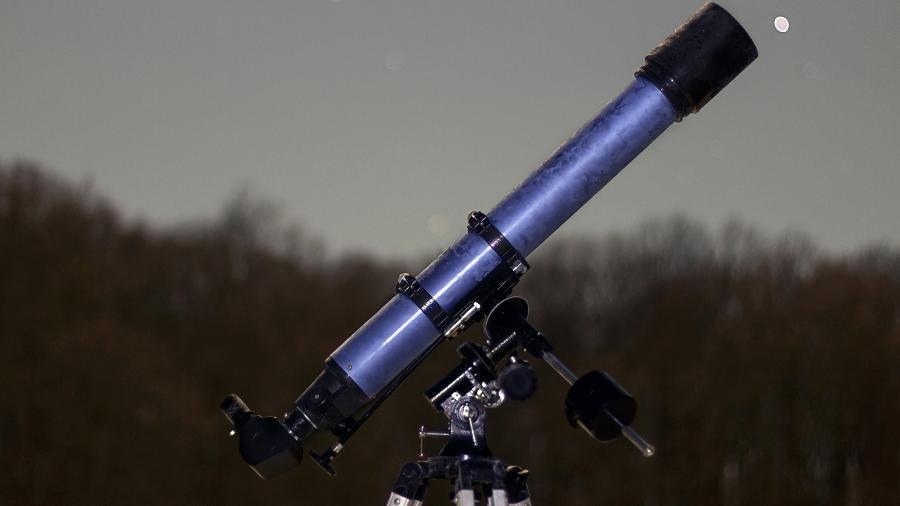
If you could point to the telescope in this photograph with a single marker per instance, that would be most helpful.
(471, 278)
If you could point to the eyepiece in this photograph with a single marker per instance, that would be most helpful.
(263, 442)
(235, 410)
(700, 58)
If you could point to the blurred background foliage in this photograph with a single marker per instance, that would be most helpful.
(767, 372)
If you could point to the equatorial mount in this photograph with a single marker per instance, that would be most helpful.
(494, 371)
(486, 376)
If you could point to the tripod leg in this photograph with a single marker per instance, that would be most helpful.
(498, 496)
(410, 487)
(464, 485)
(517, 486)
(465, 497)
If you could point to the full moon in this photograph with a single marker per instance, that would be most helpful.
(782, 24)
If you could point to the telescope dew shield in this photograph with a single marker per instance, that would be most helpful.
(679, 77)
(700, 58)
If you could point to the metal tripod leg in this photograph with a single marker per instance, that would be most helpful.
(498, 498)
(463, 485)
(488, 474)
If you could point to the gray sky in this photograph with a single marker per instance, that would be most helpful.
(379, 124)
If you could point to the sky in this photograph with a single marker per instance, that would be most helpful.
(377, 125)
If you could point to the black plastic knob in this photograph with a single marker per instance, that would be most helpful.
(518, 381)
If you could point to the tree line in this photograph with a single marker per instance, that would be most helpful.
(766, 371)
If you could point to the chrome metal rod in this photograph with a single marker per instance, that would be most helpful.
(633, 437)
(556, 364)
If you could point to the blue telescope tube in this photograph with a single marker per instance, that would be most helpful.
(400, 331)
(678, 78)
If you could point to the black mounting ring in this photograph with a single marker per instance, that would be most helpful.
(408, 285)
(480, 224)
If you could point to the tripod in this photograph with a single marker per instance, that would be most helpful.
(595, 402)
(466, 462)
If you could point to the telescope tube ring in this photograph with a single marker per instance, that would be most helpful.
(480, 224)
(408, 285)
